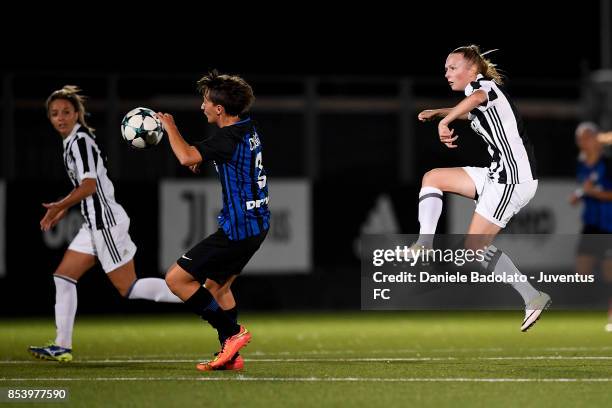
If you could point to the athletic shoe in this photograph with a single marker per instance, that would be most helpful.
(230, 347)
(608, 328)
(235, 364)
(534, 309)
(51, 352)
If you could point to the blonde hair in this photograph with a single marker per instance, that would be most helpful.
(587, 126)
(485, 66)
(71, 94)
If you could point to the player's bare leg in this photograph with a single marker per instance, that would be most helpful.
(480, 235)
(203, 303)
(125, 281)
(607, 278)
(181, 282)
(435, 182)
(123, 277)
(450, 180)
(222, 293)
(585, 264)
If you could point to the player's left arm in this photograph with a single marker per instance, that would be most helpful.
(460, 110)
(589, 189)
(603, 192)
(186, 154)
(431, 114)
(600, 191)
(602, 195)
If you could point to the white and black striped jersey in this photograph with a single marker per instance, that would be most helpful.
(83, 159)
(498, 122)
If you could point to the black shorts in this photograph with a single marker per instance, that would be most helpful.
(595, 245)
(217, 257)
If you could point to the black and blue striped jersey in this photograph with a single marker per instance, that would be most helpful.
(236, 151)
(597, 213)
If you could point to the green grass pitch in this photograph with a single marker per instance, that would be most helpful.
(368, 359)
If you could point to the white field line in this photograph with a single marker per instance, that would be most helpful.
(317, 360)
(254, 360)
(438, 350)
(382, 351)
(316, 379)
(548, 358)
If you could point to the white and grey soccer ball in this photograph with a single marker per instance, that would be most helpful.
(141, 129)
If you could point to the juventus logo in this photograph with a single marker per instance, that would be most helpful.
(197, 217)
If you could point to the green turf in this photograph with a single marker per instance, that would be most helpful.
(358, 359)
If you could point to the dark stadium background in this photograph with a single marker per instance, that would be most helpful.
(373, 81)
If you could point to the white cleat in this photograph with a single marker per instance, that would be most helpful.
(608, 327)
(534, 309)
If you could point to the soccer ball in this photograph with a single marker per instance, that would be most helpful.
(141, 129)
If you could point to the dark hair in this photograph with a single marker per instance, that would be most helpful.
(229, 91)
(71, 94)
(485, 67)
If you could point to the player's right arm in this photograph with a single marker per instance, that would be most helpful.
(605, 138)
(85, 167)
(447, 135)
(431, 114)
(57, 210)
(186, 154)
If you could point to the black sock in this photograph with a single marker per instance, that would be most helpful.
(205, 306)
(233, 315)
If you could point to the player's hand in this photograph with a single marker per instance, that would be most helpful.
(589, 187)
(446, 135)
(427, 115)
(573, 199)
(53, 215)
(195, 168)
(166, 119)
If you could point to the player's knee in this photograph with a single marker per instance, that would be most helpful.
(124, 291)
(60, 274)
(431, 179)
(64, 273)
(213, 288)
(173, 279)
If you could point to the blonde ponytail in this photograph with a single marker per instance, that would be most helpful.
(485, 66)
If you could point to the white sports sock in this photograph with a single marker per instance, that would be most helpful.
(65, 309)
(500, 262)
(430, 208)
(152, 289)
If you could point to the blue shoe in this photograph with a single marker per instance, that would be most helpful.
(51, 352)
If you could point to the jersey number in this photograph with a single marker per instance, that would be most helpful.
(261, 178)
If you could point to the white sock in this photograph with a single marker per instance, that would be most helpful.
(430, 208)
(65, 309)
(152, 289)
(498, 260)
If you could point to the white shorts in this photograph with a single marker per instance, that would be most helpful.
(499, 202)
(112, 246)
